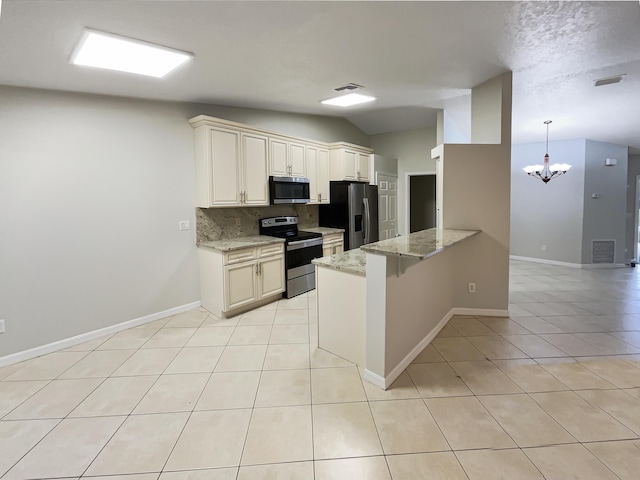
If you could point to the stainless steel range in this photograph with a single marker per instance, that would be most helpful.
(300, 248)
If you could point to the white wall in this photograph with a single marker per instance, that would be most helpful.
(412, 148)
(604, 217)
(548, 214)
(91, 192)
(562, 215)
(631, 237)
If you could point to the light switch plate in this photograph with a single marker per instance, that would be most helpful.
(184, 225)
(1, 326)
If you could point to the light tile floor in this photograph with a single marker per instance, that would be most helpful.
(553, 392)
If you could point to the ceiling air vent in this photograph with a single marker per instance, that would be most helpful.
(609, 80)
(348, 86)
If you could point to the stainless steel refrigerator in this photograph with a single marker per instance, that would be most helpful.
(354, 208)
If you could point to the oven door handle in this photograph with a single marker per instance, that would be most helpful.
(297, 245)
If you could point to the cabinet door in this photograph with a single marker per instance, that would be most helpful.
(322, 175)
(362, 167)
(271, 277)
(254, 171)
(240, 285)
(278, 164)
(312, 174)
(297, 160)
(338, 247)
(327, 250)
(349, 165)
(225, 167)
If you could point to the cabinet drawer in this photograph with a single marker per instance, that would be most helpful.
(274, 249)
(237, 256)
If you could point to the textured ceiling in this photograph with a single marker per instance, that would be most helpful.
(415, 56)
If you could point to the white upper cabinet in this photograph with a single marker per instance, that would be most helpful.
(278, 163)
(218, 173)
(349, 162)
(297, 164)
(362, 167)
(287, 158)
(234, 162)
(256, 187)
(318, 173)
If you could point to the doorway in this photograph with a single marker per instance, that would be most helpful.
(421, 201)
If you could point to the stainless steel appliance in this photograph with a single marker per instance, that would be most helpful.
(354, 208)
(300, 248)
(288, 190)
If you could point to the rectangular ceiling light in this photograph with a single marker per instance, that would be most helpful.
(348, 100)
(113, 52)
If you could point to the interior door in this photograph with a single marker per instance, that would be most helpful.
(387, 205)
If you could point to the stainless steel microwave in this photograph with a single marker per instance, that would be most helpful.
(288, 190)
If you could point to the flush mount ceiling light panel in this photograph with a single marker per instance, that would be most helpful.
(114, 52)
(349, 99)
(609, 80)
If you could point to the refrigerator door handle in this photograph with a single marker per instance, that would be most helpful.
(367, 219)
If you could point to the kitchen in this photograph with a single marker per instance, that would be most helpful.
(99, 229)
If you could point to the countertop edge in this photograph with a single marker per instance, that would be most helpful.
(416, 255)
(239, 243)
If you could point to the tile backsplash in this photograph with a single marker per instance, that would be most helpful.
(224, 223)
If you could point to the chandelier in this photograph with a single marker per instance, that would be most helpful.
(546, 172)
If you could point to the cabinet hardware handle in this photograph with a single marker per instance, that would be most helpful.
(256, 269)
(259, 268)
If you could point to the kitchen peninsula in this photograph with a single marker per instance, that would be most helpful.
(380, 305)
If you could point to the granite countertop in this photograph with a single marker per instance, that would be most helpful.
(230, 244)
(323, 230)
(421, 244)
(351, 261)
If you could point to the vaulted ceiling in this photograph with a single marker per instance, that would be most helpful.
(414, 56)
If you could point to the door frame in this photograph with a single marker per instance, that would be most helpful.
(636, 225)
(407, 198)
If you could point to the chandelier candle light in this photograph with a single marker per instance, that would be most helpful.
(546, 172)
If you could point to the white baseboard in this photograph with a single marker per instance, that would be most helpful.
(545, 261)
(385, 382)
(85, 337)
(597, 266)
(480, 312)
(586, 266)
(374, 378)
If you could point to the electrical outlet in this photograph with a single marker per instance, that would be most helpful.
(1, 326)
(184, 225)
(543, 248)
(472, 288)
(237, 221)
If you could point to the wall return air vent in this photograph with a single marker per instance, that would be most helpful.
(603, 251)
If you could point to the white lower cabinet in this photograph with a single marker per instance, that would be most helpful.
(332, 243)
(240, 278)
(240, 285)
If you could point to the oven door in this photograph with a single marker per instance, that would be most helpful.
(288, 190)
(299, 256)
